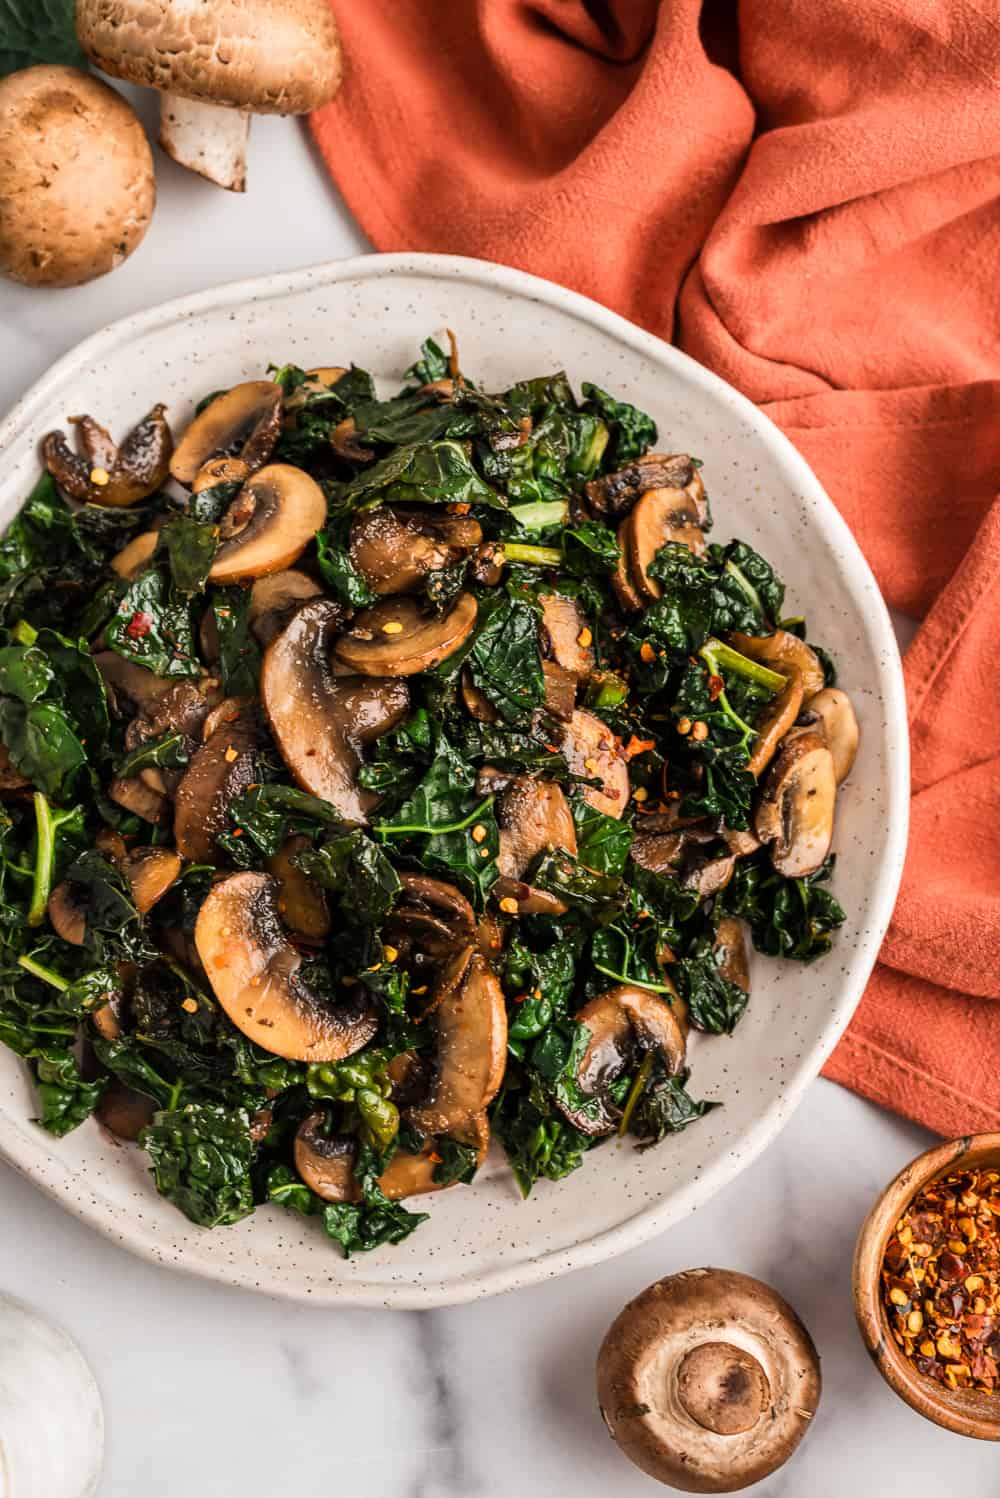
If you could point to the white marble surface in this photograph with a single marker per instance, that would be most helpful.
(216, 1393)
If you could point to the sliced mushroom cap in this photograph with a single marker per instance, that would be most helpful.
(533, 816)
(560, 690)
(109, 1019)
(833, 711)
(268, 525)
(731, 955)
(708, 1381)
(661, 516)
(613, 496)
(150, 873)
(395, 549)
(782, 651)
(274, 599)
(104, 473)
(471, 1021)
(301, 903)
(320, 722)
(477, 704)
(566, 634)
(396, 638)
(220, 770)
(689, 852)
(226, 712)
(220, 471)
(619, 1020)
(253, 969)
(133, 689)
(429, 921)
(134, 557)
(123, 1112)
(592, 750)
(774, 720)
(138, 798)
(243, 422)
(795, 813)
(326, 1162)
(67, 910)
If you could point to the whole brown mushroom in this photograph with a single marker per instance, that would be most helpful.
(76, 177)
(216, 64)
(708, 1380)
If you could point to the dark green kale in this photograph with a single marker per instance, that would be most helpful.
(714, 1002)
(631, 431)
(787, 917)
(665, 1107)
(202, 1156)
(152, 627)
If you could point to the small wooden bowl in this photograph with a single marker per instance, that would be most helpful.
(969, 1412)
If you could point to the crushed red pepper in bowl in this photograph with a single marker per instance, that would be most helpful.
(940, 1280)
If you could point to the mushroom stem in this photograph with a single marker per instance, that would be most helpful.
(209, 139)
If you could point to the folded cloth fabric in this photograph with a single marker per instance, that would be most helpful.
(807, 199)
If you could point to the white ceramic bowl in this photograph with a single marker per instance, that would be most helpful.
(375, 310)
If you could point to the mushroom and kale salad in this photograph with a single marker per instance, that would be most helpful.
(380, 777)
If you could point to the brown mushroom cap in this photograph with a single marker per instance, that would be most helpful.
(472, 1045)
(139, 798)
(76, 177)
(661, 516)
(563, 628)
(274, 599)
(135, 556)
(731, 954)
(430, 920)
(395, 549)
(396, 638)
(707, 1381)
(613, 495)
(301, 903)
(593, 750)
(150, 873)
(269, 524)
(533, 816)
(278, 57)
(123, 1112)
(67, 910)
(103, 473)
(833, 711)
(796, 810)
(220, 770)
(782, 651)
(245, 420)
(253, 969)
(619, 1019)
(320, 722)
(325, 1162)
(774, 720)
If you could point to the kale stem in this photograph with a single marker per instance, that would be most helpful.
(635, 1092)
(385, 829)
(720, 658)
(537, 556)
(44, 861)
(540, 514)
(45, 973)
(746, 587)
(635, 982)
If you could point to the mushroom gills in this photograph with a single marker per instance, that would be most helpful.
(620, 1019)
(395, 549)
(796, 809)
(253, 970)
(244, 421)
(320, 722)
(326, 1162)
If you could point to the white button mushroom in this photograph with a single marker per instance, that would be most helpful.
(76, 177)
(247, 56)
(708, 1381)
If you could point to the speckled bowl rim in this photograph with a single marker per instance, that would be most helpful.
(27, 1149)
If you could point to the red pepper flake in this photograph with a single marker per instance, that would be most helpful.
(638, 746)
(520, 998)
(237, 832)
(434, 1157)
(139, 625)
(716, 685)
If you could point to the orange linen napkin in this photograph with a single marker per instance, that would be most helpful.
(805, 197)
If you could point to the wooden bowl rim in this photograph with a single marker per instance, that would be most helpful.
(968, 1412)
